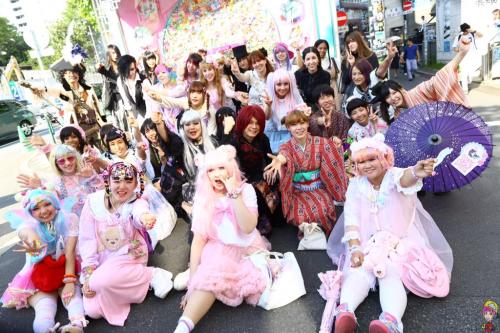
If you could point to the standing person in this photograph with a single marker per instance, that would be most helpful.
(327, 121)
(130, 88)
(282, 57)
(190, 73)
(327, 62)
(256, 77)
(311, 171)
(112, 99)
(219, 89)
(112, 242)
(472, 61)
(225, 234)
(356, 48)
(149, 63)
(49, 236)
(394, 69)
(241, 55)
(412, 56)
(382, 213)
(444, 86)
(311, 74)
(284, 97)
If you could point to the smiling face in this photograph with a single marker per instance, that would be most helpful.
(322, 48)
(191, 68)
(71, 77)
(216, 176)
(44, 212)
(122, 190)
(299, 131)
(67, 164)
(326, 103)
(360, 115)
(252, 129)
(311, 61)
(193, 130)
(371, 168)
(282, 89)
(208, 74)
(73, 141)
(196, 99)
(353, 46)
(164, 78)
(395, 99)
(151, 135)
(260, 66)
(281, 55)
(118, 147)
(357, 77)
(151, 62)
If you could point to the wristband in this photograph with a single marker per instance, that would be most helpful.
(355, 248)
(67, 280)
(413, 173)
(350, 235)
(235, 194)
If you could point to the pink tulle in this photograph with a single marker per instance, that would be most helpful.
(19, 290)
(225, 271)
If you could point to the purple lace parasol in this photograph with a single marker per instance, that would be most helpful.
(425, 130)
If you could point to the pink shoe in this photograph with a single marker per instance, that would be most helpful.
(345, 323)
(386, 323)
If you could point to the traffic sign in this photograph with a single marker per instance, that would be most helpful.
(341, 18)
(407, 6)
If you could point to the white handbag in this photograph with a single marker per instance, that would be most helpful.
(314, 238)
(286, 286)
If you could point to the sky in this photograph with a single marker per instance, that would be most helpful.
(37, 12)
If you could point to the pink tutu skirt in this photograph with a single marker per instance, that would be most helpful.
(226, 271)
(19, 290)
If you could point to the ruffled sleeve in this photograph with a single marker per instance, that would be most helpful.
(397, 173)
(352, 204)
(250, 198)
(87, 241)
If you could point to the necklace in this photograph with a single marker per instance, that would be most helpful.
(376, 198)
(116, 210)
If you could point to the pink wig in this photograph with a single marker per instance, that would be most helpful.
(370, 148)
(292, 99)
(205, 196)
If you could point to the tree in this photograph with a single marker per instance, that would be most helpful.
(11, 43)
(82, 13)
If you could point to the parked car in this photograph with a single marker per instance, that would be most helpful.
(13, 114)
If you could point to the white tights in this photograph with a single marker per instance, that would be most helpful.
(45, 306)
(358, 282)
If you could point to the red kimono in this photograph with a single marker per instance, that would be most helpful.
(312, 199)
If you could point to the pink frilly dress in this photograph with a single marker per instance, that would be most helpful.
(393, 208)
(21, 287)
(224, 268)
(114, 243)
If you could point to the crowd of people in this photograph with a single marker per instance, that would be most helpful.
(234, 146)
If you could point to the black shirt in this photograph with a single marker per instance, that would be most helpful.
(306, 82)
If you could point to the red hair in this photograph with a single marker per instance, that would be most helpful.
(245, 115)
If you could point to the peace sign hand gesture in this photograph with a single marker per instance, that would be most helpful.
(350, 58)
(34, 247)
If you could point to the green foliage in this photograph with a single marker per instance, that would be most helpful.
(82, 13)
(11, 43)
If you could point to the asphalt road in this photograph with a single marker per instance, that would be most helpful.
(468, 219)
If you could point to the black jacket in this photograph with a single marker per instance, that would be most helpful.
(307, 82)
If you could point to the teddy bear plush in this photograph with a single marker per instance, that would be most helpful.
(381, 248)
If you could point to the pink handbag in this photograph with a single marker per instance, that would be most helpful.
(424, 274)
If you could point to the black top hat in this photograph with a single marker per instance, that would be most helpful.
(61, 65)
(240, 52)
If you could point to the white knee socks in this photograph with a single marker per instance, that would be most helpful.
(392, 292)
(185, 325)
(76, 314)
(355, 288)
(45, 313)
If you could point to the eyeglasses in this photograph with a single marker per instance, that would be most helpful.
(64, 160)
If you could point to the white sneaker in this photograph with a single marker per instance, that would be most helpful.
(181, 280)
(161, 282)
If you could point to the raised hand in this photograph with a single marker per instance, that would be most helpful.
(273, 169)
(392, 50)
(425, 168)
(29, 182)
(156, 117)
(228, 124)
(33, 247)
(154, 95)
(350, 58)
(86, 171)
(148, 220)
(132, 122)
(357, 258)
(266, 99)
(231, 184)
(234, 66)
